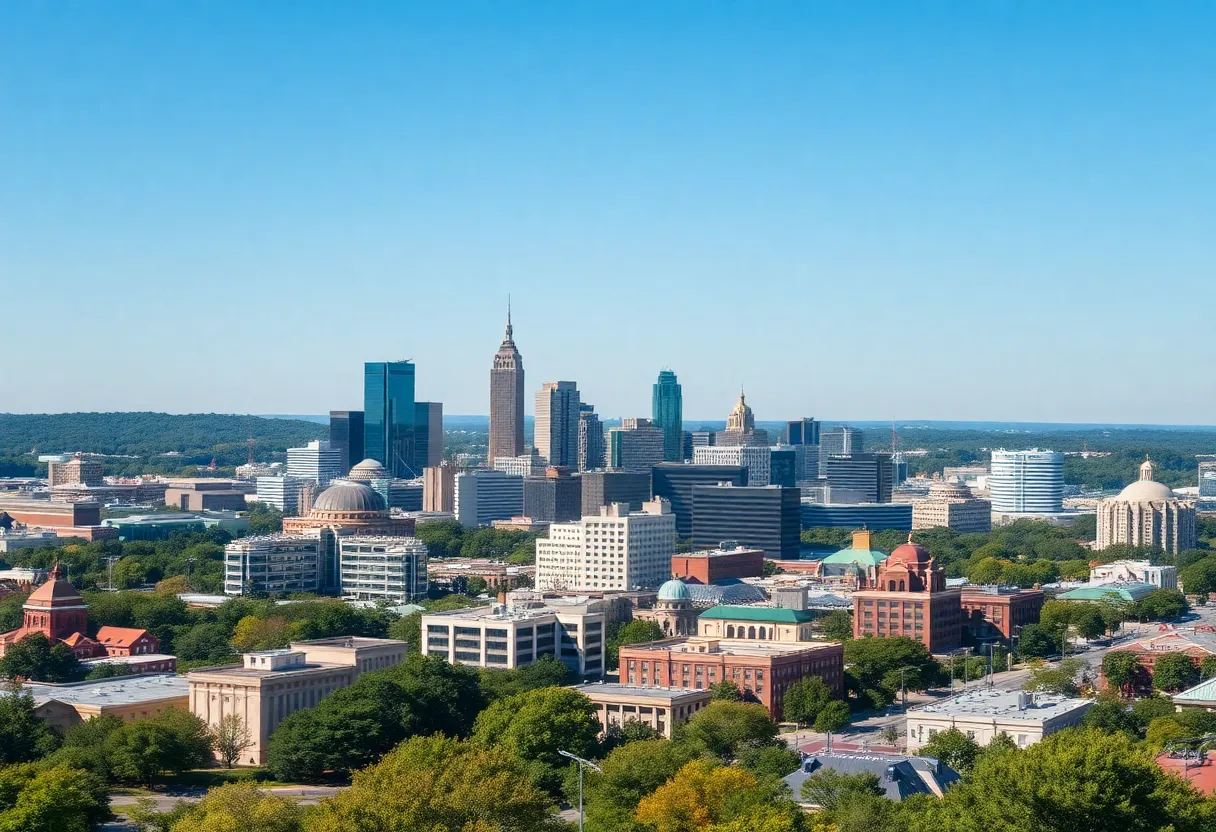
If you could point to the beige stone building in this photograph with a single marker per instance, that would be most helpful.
(952, 506)
(660, 708)
(756, 623)
(128, 698)
(1147, 513)
(75, 471)
(439, 487)
(272, 685)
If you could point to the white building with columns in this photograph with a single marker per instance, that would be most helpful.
(1147, 513)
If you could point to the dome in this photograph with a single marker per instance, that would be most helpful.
(368, 469)
(950, 491)
(909, 553)
(56, 592)
(674, 590)
(1142, 491)
(348, 496)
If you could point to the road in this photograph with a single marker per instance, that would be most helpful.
(163, 801)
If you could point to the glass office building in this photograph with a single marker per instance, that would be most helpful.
(667, 411)
(390, 417)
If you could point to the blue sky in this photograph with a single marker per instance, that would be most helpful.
(858, 210)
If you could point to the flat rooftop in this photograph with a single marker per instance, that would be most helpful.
(717, 553)
(1004, 704)
(731, 647)
(120, 690)
(139, 659)
(489, 613)
(617, 689)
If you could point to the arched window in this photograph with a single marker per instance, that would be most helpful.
(762, 635)
(730, 630)
(751, 632)
(901, 586)
(891, 586)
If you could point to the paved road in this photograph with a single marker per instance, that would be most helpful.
(165, 800)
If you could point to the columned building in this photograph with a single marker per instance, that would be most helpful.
(506, 399)
(1147, 513)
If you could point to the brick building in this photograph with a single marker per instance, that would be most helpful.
(911, 599)
(996, 611)
(713, 565)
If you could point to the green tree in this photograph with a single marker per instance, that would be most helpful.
(1173, 672)
(36, 658)
(545, 672)
(173, 741)
(436, 783)
(1122, 670)
(773, 761)
(1163, 730)
(1061, 679)
(833, 717)
(875, 664)
(23, 736)
(1111, 716)
(837, 625)
(726, 691)
(408, 628)
(703, 794)
(207, 642)
(954, 748)
(829, 789)
(633, 632)
(804, 700)
(57, 798)
(231, 737)
(263, 518)
(241, 807)
(1207, 668)
(1199, 577)
(1158, 605)
(627, 775)
(724, 729)
(1037, 641)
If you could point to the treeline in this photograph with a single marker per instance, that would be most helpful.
(449, 539)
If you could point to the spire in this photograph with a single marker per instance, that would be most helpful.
(509, 329)
(1147, 469)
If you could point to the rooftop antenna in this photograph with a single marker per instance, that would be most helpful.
(893, 440)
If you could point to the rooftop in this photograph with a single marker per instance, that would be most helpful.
(616, 689)
(1203, 693)
(899, 775)
(1007, 704)
(500, 612)
(137, 659)
(717, 553)
(1128, 591)
(730, 647)
(775, 615)
(120, 690)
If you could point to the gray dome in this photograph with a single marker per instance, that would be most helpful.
(368, 469)
(348, 496)
(674, 590)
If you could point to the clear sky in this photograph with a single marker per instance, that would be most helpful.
(858, 210)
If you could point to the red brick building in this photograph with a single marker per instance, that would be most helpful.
(713, 565)
(995, 612)
(912, 600)
(762, 670)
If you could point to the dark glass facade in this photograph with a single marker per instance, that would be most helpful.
(603, 487)
(346, 434)
(765, 518)
(870, 475)
(390, 417)
(553, 499)
(674, 481)
(783, 468)
(667, 412)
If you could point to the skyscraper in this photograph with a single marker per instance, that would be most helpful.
(390, 417)
(667, 412)
(506, 399)
(1026, 482)
(428, 444)
(590, 439)
(557, 415)
(837, 441)
(634, 446)
(804, 431)
(346, 434)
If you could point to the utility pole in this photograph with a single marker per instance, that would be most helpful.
(581, 765)
(110, 573)
(991, 664)
(903, 688)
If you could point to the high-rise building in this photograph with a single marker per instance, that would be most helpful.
(741, 427)
(590, 439)
(527, 465)
(282, 492)
(390, 417)
(783, 467)
(317, 461)
(804, 431)
(674, 481)
(506, 399)
(1207, 474)
(556, 426)
(868, 475)
(556, 497)
(837, 441)
(1026, 482)
(757, 459)
(483, 496)
(439, 488)
(271, 564)
(667, 413)
(617, 549)
(602, 488)
(637, 445)
(766, 517)
(346, 435)
(76, 470)
(428, 443)
(1147, 513)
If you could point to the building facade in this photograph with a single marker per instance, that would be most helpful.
(912, 600)
(390, 417)
(272, 564)
(556, 425)
(1147, 513)
(636, 445)
(996, 612)
(874, 516)
(1134, 571)
(1026, 482)
(603, 488)
(483, 496)
(282, 492)
(590, 439)
(392, 569)
(709, 566)
(616, 549)
(786, 626)
(804, 431)
(506, 399)
(764, 518)
(556, 497)
(76, 470)
(317, 461)
(952, 506)
(674, 481)
(870, 476)
(756, 459)
(439, 488)
(346, 435)
(839, 441)
(662, 709)
(667, 413)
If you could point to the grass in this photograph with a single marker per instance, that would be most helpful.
(211, 777)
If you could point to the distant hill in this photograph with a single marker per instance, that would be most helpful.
(198, 436)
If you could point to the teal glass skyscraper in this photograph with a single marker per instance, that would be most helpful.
(667, 412)
(390, 416)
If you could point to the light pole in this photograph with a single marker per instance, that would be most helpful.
(110, 572)
(1013, 638)
(581, 765)
(903, 689)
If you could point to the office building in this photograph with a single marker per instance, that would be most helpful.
(128, 698)
(686, 446)
(483, 496)
(253, 470)
(590, 439)
(271, 564)
(911, 599)
(757, 459)
(439, 488)
(783, 467)
(985, 713)
(204, 494)
(506, 399)
(952, 506)
(762, 670)
(392, 569)
(69, 519)
(602, 488)
(996, 612)
(663, 709)
(517, 633)
(804, 431)
(317, 462)
(806, 463)
(428, 441)
(554, 498)
(667, 413)
(1147, 513)
(346, 435)
(390, 416)
(741, 427)
(710, 566)
(1026, 482)
(868, 475)
(839, 441)
(765, 517)
(556, 426)
(1207, 475)
(636, 445)
(876, 516)
(616, 549)
(1134, 571)
(269, 686)
(282, 492)
(75, 470)
(674, 481)
(703, 438)
(525, 465)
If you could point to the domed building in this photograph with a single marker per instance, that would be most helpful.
(368, 470)
(1147, 513)
(673, 610)
(911, 599)
(350, 507)
(857, 565)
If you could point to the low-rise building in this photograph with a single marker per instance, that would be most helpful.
(161, 526)
(984, 713)
(272, 563)
(1197, 643)
(660, 708)
(1119, 591)
(899, 776)
(1134, 571)
(272, 685)
(952, 506)
(910, 598)
(729, 561)
(779, 624)
(453, 573)
(128, 698)
(996, 612)
(762, 670)
(205, 494)
(11, 541)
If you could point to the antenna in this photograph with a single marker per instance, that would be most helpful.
(250, 441)
(893, 440)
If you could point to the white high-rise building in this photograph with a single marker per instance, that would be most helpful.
(1026, 482)
(557, 408)
(614, 550)
(316, 461)
(483, 496)
(756, 459)
(383, 568)
(527, 465)
(281, 492)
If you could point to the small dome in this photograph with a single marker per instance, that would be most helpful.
(674, 590)
(950, 491)
(348, 496)
(368, 469)
(909, 553)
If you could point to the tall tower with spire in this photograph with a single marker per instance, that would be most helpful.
(506, 398)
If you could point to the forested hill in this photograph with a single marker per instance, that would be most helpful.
(195, 435)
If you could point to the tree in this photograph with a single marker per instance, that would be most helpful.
(634, 632)
(804, 700)
(547, 671)
(1163, 730)
(724, 729)
(834, 716)
(1122, 670)
(231, 737)
(241, 807)
(36, 658)
(1173, 672)
(1061, 679)
(954, 748)
(436, 783)
(175, 740)
(172, 586)
(725, 691)
(1199, 577)
(1111, 716)
(57, 798)
(106, 670)
(837, 625)
(770, 760)
(253, 633)
(207, 642)
(1036, 641)
(828, 788)
(700, 795)
(875, 665)
(1207, 668)
(408, 628)
(1158, 605)
(627, 775)
(23, 736)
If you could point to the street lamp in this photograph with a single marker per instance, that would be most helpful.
(1013, 638)
(903, 689)
(581, 765)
